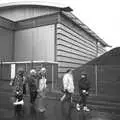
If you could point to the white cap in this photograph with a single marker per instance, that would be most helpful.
(43, 69)
(32, 71)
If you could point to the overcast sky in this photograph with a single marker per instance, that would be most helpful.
(102, 16)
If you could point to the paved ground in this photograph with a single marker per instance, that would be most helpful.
(54, 110)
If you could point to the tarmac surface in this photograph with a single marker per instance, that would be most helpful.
(54, 110)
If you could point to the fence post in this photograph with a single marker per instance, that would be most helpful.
(96, 80)
(0, 69)
(52, 77)
(1, 63)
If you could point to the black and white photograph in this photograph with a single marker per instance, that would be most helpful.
(59, 60)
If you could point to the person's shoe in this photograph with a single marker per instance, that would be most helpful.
(42, 110)
(85, 108)
(77, 107)
(19, 103)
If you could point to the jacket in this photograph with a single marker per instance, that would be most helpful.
(84, 84)
(32, 83)
(68, 83)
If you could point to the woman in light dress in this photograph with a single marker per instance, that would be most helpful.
(42, 91)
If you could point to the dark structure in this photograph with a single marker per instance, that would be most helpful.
(104, 74)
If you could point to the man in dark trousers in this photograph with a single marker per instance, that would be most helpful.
(84, 86)
(32, 83)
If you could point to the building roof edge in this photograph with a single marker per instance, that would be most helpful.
(35, 3)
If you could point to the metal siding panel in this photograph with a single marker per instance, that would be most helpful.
(72, 55)
(61, 28)
(77, 29)
(77, 48)
(101, 49)
(20, 13)
(44, 43)
(74, 51)
(6, 39)
(79, 62)
(76, 38)
(73, 48)
(68, 26)
(65, 64)
(68, 59)
(23, 45)
(75, 44)
(35, 44)
(37, 22)
(12, 14)
(6, 24)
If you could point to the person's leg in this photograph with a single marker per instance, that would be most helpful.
(78, 105)
(34, 96)
(84, 103)
(31, 97)
(70, 103)
(40, 102)
(69, 97)
(81, 102)
(24, 89)
(80, 99)
(84, 100)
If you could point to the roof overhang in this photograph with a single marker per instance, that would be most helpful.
(36, 3)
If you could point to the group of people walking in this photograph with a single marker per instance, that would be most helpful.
(68, 89)
(36, 82)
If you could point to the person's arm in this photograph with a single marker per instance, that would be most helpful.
(45, 83)
(24, 80)
(12, 82)
(27, 82)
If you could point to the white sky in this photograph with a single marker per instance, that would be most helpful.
(102, 16)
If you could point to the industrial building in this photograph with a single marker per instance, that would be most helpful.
(33, 31)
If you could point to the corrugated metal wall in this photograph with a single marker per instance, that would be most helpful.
(6, 44)
(25, 12)
(35, 44)
(101, 49)
(74, 47)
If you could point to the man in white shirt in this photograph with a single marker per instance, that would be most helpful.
(68, 86)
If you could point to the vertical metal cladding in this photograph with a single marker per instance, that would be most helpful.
(25, 12)
(6, 44)
(35, 44)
